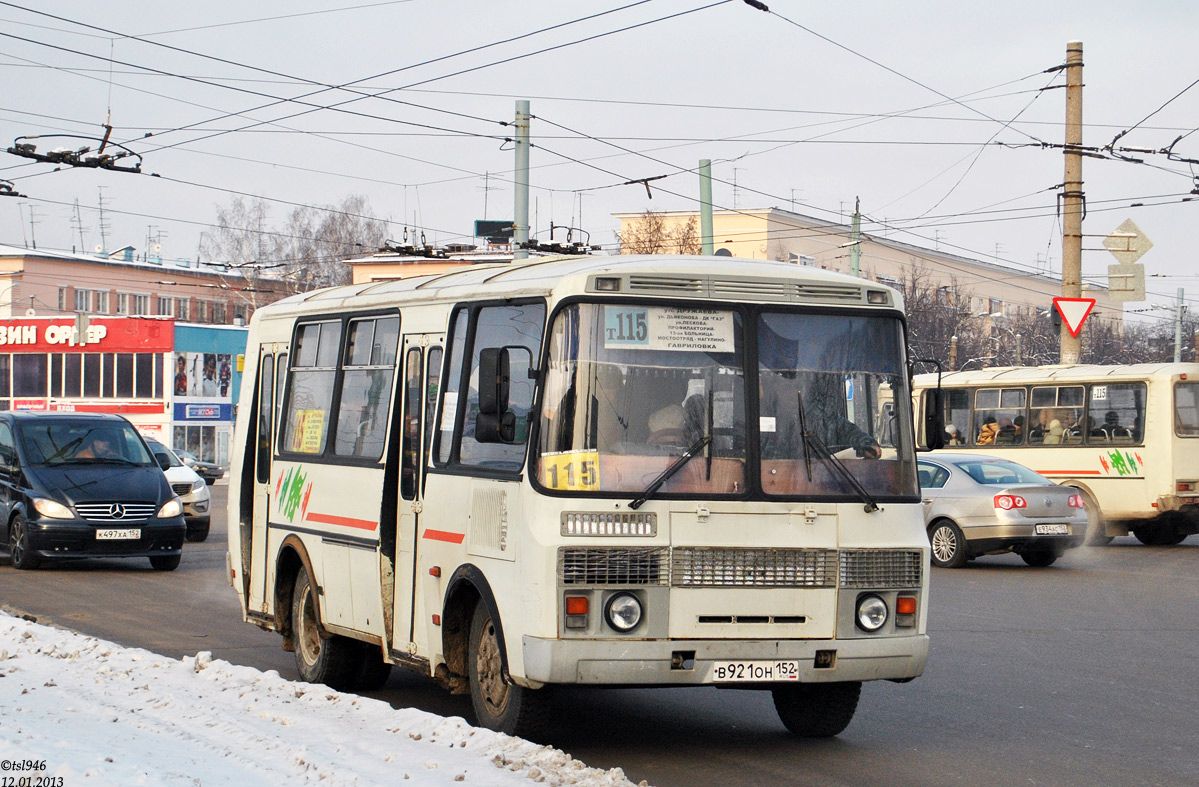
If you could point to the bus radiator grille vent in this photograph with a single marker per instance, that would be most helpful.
(666, 284)
(750, 289)
(875, 568)
(644, 566)
(768, 568)
(825, 292)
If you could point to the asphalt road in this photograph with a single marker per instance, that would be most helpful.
(1084, 673)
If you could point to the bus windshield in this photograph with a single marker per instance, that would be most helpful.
(629, 388)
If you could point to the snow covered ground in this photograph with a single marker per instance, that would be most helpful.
(92, 712)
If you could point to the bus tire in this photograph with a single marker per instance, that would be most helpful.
(329, 659)
(500, 704)
(1039, 558)
(373, 671)
(817, 710)
(1096, 522)
(1158, 535)
(948, 544)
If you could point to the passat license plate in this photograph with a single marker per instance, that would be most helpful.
(733, 671)
(1053, 530)
(119, 535)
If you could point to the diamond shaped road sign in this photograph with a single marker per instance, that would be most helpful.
(1127, 244)
(1074, 312)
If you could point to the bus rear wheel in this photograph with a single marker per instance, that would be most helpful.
(817, 710)
(499, 703)
(1158, 536)
(329, 659)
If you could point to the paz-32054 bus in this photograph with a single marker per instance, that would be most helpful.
(597, 471)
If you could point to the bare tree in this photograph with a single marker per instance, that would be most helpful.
(306, 251)
(654, 233)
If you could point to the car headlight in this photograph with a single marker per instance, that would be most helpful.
(872, 613)
(199, 484)
(51, 509)
(173, 508)
(623, 612)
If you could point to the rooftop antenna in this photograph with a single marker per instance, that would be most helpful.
(103, 223)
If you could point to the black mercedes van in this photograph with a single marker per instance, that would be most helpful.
(84, 485)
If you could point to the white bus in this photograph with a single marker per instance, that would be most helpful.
(1126, 436)
(597, 471)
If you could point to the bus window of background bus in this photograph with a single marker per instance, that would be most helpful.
(999, 416)
(1116, 413)
(957, 415)
(517, 327)
(1053, 410)
(845, 367)
(630, 387)
(1186, 409)
(366, 387)
(310, 389)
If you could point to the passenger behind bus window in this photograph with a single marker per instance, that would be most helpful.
(952, 436)
(988, 431)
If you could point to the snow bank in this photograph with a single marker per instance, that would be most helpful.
(93, 712)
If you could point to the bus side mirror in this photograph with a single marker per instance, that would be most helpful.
(495, 423)
(934, 419)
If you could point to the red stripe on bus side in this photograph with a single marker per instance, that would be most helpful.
(441, 535)
(344, 521)
(1070, 472)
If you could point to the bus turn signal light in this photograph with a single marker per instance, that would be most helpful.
(905, 605)
(576, 612)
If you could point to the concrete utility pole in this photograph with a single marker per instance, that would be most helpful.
(855, 238)
(1178, 312)
(705, 207)
(1073, 198)
(520, 184)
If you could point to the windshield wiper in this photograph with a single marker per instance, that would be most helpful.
(810, 438)
(687, 456)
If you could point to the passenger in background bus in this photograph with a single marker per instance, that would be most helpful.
(986, 434)
(952, 437)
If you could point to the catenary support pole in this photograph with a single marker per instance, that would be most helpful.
(705, 207)
(1073, 198)
(520, 184)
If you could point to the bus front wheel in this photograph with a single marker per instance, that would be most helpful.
(499, 704)
(817, 710)
(331, 659)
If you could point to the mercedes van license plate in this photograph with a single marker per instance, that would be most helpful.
(119, 535)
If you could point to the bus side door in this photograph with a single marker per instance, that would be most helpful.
(422, 372)
(272, 371)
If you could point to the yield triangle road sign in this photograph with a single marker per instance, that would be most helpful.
(1074, 312)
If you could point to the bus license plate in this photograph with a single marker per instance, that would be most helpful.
(1053, 530)
(733, 671)
(118, 535)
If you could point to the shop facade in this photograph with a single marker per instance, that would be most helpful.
(175, 382)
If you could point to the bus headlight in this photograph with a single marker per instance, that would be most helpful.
(872, 613)
(623, 612)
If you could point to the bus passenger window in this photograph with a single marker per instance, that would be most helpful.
(410, 421)
(366, 387)
(310, 387)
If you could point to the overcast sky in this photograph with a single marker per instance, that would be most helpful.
(806, 107)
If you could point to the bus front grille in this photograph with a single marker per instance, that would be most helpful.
(875, 568)
(617, 566)
(742, 567)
